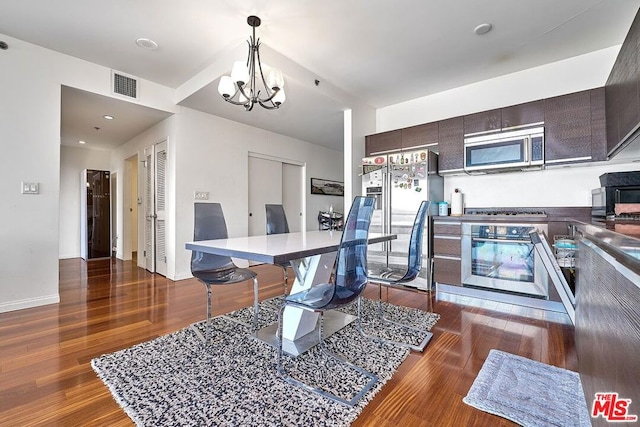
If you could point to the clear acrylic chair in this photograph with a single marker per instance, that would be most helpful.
(397, 277)
(210, 269)
(277, 224)
(349, 280)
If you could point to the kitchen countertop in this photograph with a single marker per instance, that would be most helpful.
(493, 218)
(626, 228)
(625, 247)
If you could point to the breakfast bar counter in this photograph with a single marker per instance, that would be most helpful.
(607, 311)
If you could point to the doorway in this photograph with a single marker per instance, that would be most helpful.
(114, 213)
(284, 186)
(131, 201)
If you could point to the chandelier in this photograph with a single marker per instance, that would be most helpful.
(241, 88)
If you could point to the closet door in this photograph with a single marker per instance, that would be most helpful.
(277, 181)
(160, 196)
(154, 208)
(265, 186)
(292, 196)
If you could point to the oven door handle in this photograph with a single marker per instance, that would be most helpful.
(480, 239)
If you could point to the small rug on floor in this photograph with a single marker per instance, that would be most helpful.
(528, 392)
(172, 380)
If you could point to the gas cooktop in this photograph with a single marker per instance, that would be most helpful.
(624, 217)
(491, 212)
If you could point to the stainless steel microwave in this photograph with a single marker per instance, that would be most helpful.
(515, 149)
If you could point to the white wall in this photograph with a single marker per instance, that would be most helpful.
(552, 187)
(570, 75)
(558, 187)
(30, 133)
(362, 122)
(211, 154)
(72, 161)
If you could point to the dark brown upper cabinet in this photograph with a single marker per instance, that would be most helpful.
(575, 127)
(567, 123)
(483, 121)
(451, 145)
(503, 118)
(598, 125)
(622, 91)
(523, 114)
(425, 135)
(383, 142)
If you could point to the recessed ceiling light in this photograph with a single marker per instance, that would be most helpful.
(482, 29)
(147, 44)
(81, 142)
(107, 117)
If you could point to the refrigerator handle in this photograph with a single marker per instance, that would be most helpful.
(386, 203)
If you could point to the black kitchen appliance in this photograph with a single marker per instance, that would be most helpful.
(616, 188)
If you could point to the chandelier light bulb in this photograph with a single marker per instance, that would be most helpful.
(280, 97)
(226, 87)
(275, 80)
(240, 73)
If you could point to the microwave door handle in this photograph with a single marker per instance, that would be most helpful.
(527, 153)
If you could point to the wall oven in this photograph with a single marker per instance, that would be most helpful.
(501, 257)
(516, 149)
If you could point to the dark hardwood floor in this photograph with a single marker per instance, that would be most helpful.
(107, 305)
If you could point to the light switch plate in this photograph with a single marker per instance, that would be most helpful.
(30, 188)
(201, 195)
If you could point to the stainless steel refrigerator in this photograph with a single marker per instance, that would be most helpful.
(400, 182)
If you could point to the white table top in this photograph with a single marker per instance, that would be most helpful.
(278, 248)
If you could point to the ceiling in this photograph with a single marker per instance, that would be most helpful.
(82, 119)
(377, 52)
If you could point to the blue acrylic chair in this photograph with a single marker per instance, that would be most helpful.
(349, 280)
(398, 277)
(210, 269)
(277, 224)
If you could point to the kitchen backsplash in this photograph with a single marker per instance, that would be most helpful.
(563, 186)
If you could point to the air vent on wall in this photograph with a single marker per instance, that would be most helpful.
(123, 84)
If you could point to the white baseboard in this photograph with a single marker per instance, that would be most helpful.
(182, 276)
(29, 302)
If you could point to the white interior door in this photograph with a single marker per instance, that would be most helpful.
(154, 208)
(292, 196)
(149, 211)
(160, 214)
(265, 186)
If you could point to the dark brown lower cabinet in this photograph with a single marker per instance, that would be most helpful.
(607, 328)
(446, 270)
(447, 250)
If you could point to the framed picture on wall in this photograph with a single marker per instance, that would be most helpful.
(326, 187)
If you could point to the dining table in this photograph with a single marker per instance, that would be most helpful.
(311, 254)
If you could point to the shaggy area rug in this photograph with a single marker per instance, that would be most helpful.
(528, 392)
(176, 380)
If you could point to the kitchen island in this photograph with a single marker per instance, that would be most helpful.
(608, 312)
